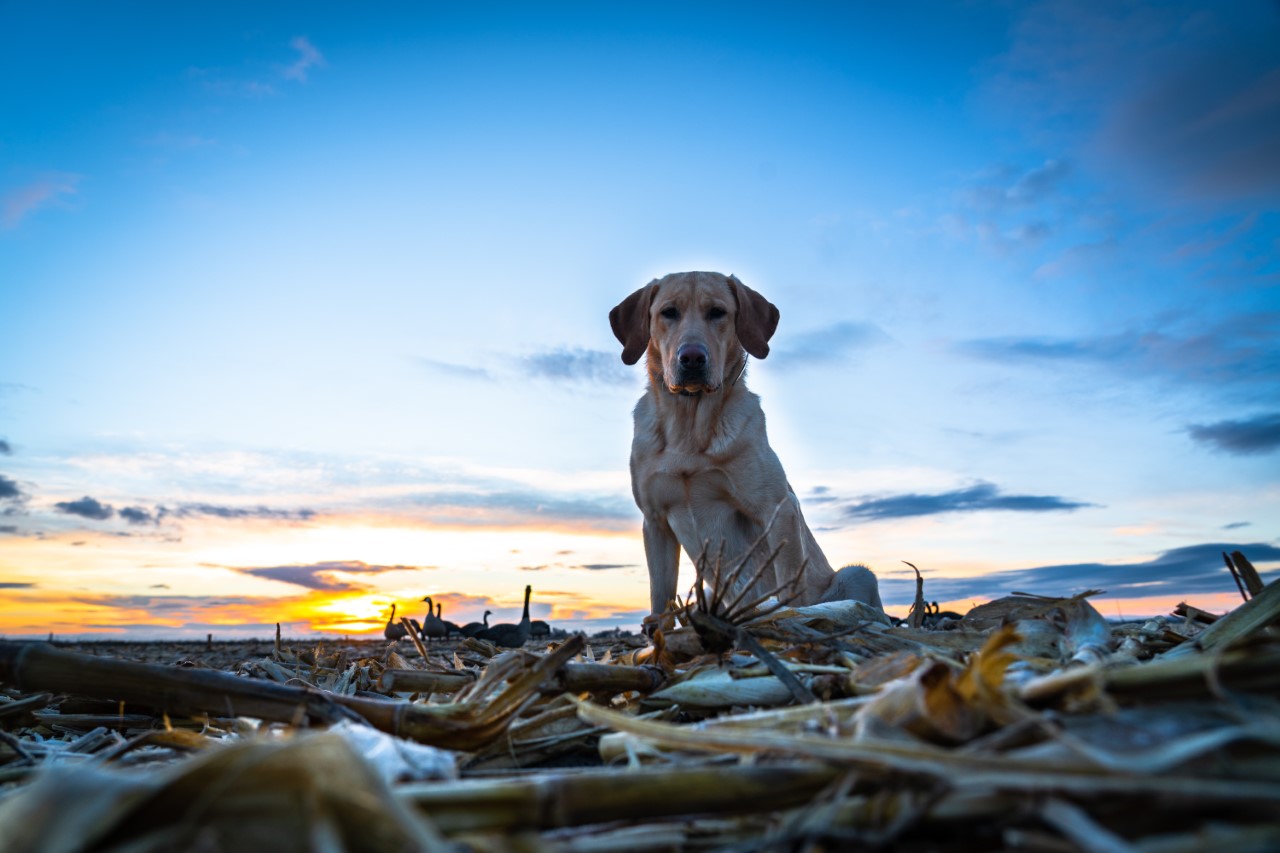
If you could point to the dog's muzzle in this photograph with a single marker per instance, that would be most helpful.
(691, 370)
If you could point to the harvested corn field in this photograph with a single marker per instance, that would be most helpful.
(1029, 723)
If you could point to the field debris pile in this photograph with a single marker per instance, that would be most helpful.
(1028, 723)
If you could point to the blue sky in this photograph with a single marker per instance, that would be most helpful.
(299, 299)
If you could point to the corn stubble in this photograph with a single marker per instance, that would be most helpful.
(1030, 723)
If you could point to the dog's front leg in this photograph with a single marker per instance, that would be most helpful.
(662, 553)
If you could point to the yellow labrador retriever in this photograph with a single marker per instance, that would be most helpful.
(702, 471)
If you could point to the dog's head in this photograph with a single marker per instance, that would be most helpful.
(695, 324)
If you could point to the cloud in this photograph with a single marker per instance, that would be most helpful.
(515, 507)
(8, 529)
(10, 490)
(1184, 95)
(977, 498)
(20, 203)
(321, 576)
(166, 603)
(1195, 569)
(86, 507)
(193, 510)
(604, 567)
(577, 364)
(461, 371)
(1249, 437)
(5, 448)
(1240, 349)
(308, 58)
(181, 141)
(1003, 187)
(828, 344)
(138, 515)
(15, 585)
(214, 81)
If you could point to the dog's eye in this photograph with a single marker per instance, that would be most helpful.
(671, 312)
(716, 313)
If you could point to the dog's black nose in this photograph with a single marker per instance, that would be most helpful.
(692, 356)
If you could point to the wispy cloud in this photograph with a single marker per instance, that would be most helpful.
(181, 141)
(485, 508)
(460, 371)
(194, 510)
(1241, 349)
(1195, 569)
(15, 585)
(46, 191)
(980, 497)
(1248, 437)
(827, 344)
(1003, 187)
(577, 365)
(261, 79)
(5, 448)
(308, 58)
(96, 510)
(166, 603)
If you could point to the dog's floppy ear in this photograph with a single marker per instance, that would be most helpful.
(757, 318)
(630, 322)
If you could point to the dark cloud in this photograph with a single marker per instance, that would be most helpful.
(1249, 437)
(578, 365)
(1193, 570)
(604, 567)
(321, 576)
(193, 510)
(5, 448)
(827, 344)
(1210, 123)
(15, 585)
(1184, 95)
(1241, 350)
(1236, 525)
(10, 490)
(86, 507)
(976, 498)
(138, 515)
(8, 529)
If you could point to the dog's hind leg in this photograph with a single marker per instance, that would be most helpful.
(854, 583)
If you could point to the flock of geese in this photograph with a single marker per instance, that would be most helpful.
(435, 627)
